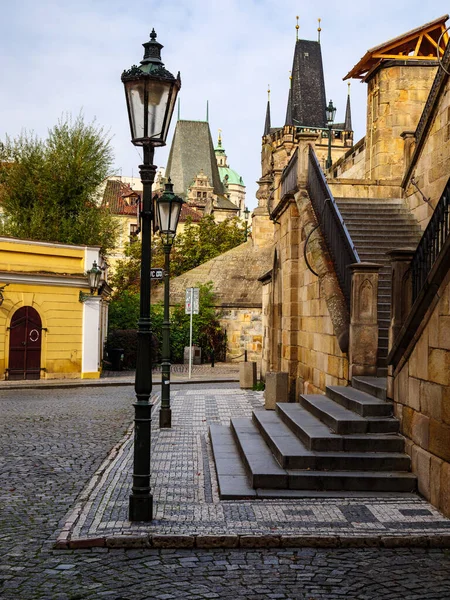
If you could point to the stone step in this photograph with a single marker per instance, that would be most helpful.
(371, 385)
(231, 475)
(344, 421)
(359, 402)
(291, 453)
(352, 481)
(315, 435)
(234, 484)
(260, 464)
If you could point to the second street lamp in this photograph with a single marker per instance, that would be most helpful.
(330, 111)
(151, 93)
(168, 207)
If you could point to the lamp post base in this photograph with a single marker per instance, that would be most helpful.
(141, 508)
(165, 418)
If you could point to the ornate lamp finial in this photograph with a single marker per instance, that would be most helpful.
(319, 29)
(297, 27)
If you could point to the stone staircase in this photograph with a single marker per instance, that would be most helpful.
(346, 441)
(377, 227)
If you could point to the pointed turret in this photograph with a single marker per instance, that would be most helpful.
(289, 104)
(348, 113)
(267, 123)
(306, 101)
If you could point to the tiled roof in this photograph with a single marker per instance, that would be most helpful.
(118, 197)
(188, 211)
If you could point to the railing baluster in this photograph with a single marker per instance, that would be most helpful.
(339, 242)
(431, 243)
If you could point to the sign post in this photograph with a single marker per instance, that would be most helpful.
(191, 308)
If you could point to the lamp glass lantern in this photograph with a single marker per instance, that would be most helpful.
(330, 112)
(151, 92)
(94, 275)
(168, 209)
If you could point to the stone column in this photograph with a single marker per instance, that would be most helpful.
(409, 139)
(401, 298)
(363, 344)
(401, 290)
(304, 141)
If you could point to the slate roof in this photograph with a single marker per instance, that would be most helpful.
(307, 95)
(192, 150)
(234, 273)
(267, 122)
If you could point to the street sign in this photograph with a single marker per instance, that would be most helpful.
(195, 301)
(156, 273)
(192, 302)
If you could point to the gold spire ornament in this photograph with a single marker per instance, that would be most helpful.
(319, 29)
(297, 27)
(268, 92)
(219, 143)
(349, 84)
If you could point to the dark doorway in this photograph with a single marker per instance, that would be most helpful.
(25, 344)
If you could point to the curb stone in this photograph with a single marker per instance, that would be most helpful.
(255, 541)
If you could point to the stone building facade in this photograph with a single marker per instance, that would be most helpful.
(323, 316)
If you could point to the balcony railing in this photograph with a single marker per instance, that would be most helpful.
(431, 243)
(289, 176)
(337, 237)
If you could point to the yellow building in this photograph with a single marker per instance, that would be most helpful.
(52, 325)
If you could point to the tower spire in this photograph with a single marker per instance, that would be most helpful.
(178, 109)
(348, 112)
(297, 27)
(289, 120)
(319, 29)
(267, 123)
(207, 111)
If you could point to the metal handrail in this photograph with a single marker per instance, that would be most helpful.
(289, 175)
(431, 243)
(335, 232)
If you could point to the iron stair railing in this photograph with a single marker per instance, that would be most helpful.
(337, 237)
(431, 243)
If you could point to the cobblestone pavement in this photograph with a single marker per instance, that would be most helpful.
(51, 443)
(186, 494)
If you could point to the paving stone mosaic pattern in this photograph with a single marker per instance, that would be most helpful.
(52, 443)
(186, 496)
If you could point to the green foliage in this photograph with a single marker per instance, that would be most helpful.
(206, 329)
(126, 277)
(123, 312)
(49, 188)
(203, 241)
(259, 386)
(126, 340)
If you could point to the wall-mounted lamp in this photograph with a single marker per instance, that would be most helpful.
(93, 275)
(1, 293)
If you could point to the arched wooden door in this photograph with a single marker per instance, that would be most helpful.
(25, 344)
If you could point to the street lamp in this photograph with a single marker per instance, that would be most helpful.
(330, 111)
(168, 208)
(246, 214)
(150, 92)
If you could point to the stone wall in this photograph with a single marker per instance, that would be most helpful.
(422, 402)
(431, 169)
(396, 96)
(244, 332)
(304, 311)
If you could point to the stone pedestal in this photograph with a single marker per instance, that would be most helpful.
(401, 290)
(277, 389)
(363, 343)
(247, 375)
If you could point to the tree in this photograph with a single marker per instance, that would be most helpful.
(49, 189)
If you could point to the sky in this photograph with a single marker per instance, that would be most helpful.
(65, 56)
